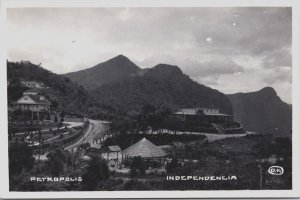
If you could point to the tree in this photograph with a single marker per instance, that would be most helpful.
(282, 147)
(15, 89)
(171, 166)
(96, 172)
(263, 149)
(56, 161)
(160, 117)
(138, 164)
(55, 119)
(85, 146)
(20, 157)
(48, 116)
(62, 116)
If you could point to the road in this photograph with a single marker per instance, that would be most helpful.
(96, 129)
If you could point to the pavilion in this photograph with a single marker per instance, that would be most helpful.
(144, 149)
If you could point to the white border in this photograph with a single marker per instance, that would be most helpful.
(295, 192)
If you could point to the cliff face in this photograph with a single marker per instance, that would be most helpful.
(262, 111)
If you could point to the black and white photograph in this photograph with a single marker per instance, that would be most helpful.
(165, 98)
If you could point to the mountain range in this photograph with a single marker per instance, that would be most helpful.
(127, 86)
(118, 87)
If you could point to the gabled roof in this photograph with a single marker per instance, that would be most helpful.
(35, 98)
(145, 149)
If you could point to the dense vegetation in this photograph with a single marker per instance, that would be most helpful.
(243, 159)
(60, 163)
(62, 92)
(162, 84)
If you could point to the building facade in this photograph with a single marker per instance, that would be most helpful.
(37, 104)
(210, 115)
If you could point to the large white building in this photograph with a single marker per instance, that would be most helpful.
(33, 102)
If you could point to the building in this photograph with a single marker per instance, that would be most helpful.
(144, 149)
(110, 152)
(37, 104)
(207, 120)
(33, 84)
(210, 115)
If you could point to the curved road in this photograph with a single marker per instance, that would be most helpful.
(96, 128)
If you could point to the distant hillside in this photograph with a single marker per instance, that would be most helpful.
(262, 111)
(158, 85)
(104, 73)
(63, 92)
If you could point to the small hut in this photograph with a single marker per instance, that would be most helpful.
(110, 152)
(144, 149)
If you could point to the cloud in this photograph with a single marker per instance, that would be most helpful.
(217, 46)
(278, 57)
(279, 75)
(216, 67)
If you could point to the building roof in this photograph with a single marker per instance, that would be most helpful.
(186, 112)
(217, 114)
(145, 149)
(35, 98)
(114, 148)
(200, 111)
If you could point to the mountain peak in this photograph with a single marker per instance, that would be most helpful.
(114, 69)
(269, 91)
(120, 59)
(164, 70)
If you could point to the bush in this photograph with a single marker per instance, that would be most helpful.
(96, 172)
(171, 166)
(138, 164)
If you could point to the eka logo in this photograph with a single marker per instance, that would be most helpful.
(276, 170)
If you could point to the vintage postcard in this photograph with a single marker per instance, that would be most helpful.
(150, 99)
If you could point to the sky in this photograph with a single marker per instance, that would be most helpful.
(229, 49)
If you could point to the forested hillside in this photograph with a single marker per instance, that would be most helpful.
(62, 91)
